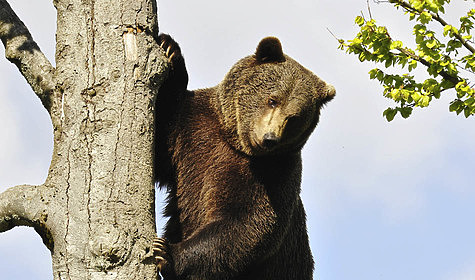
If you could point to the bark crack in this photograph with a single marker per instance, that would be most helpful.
(121, 112)
(89, 131)
(91, 48)
(68, 217)
(89, 125)
(130, 142)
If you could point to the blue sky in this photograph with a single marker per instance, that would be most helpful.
(384, 200)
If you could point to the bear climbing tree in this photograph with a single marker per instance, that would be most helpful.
(229, 156)
(95, 211)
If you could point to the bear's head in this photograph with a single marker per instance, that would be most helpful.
(268, 103)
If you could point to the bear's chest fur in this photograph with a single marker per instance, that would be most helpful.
(215, 182)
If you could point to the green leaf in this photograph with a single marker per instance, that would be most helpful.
(446, 84)
(359, 20)
(417, 4)
(362, 57)
(356, 41)
(395, 94)
(412, 65)
(388, 62)
(447, 28)
(406, 94)
(374, 73)
(431, 44)
(425, 101)
(425, 17)
(395, 45)
(467, 112)
(405, 112)
(456, 106)
(389, 113)
(469, 102)
(416, 96)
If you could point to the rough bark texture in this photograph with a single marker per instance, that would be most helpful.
(95, 212)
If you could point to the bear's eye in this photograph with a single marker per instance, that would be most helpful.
(272, 102)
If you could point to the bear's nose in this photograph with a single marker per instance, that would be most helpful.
(270, 140)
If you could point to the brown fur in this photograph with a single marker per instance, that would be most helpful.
(232, 166)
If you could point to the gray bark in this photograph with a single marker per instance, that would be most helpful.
(95, 212)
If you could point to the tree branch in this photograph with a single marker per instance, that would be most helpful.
(22, 50)
(409, 8)
(25, 206)
(369, 9)
(456, 34)
(426, 63)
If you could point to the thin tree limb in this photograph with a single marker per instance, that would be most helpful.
(457, 35)
(369, 9)
(22, 50)
(435, 16)
(25, 206)
(426, 63)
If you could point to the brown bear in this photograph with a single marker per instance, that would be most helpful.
(230, 159)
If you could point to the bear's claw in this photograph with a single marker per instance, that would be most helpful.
(178, 77)
(170, 47)
(161, 252)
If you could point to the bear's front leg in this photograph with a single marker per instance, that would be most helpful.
(166, 107)
(169, 96)
(225, 250)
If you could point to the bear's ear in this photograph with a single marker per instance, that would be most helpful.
(327, 94)
(269, 50)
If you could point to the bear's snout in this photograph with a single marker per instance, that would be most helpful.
(268, 129)
(270, 140)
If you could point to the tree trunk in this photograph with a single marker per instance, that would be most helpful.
(95, 212)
